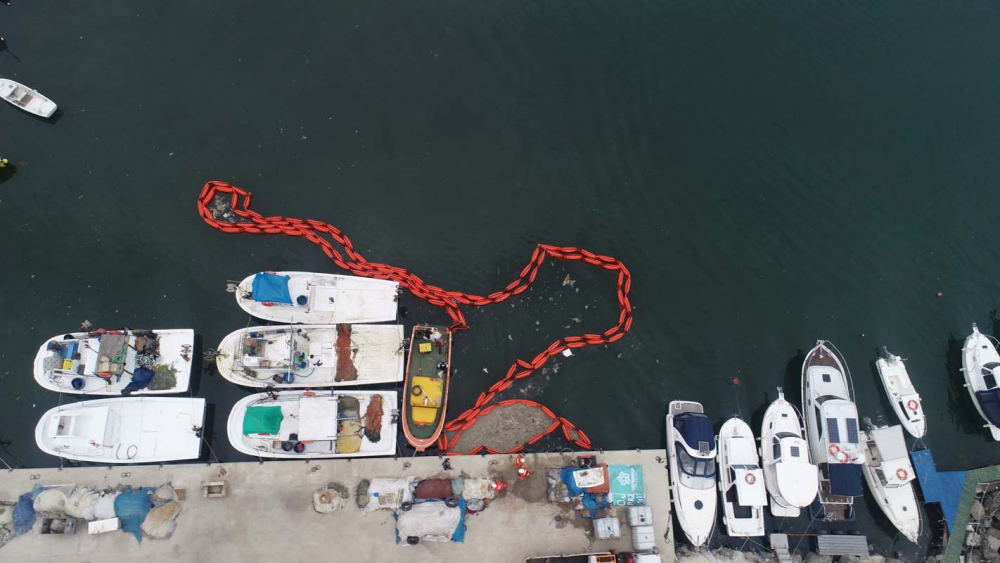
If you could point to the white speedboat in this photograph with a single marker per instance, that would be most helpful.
(310, 298)
(312, 355)
(791, 479)
(890, 476)
(315, 424)
(124, 430)
(831, 419)
(981, 365)
(116, 362)
(904, 398)
(28, 99)
(691, 445)
(741, 482)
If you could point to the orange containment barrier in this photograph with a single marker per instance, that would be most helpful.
(245, 220)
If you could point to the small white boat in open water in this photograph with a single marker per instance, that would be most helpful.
(315, 424)
(116, 362)
(890, 476)
(312, 355)
(28, 99)
(792, 480)
(904, 398)
(124, 430)
(310, 298)
(981, 365)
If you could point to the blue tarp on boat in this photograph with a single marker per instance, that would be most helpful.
(141, 379)
(989, 401)
(272, 288)
(695, 428)
(845, 480)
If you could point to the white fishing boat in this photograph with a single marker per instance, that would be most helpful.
(312, 355)
(116, 362)
(315, 424)
(791, 479)
(904, 398)
(28, 99)
(831, 419)
(981, 365)
(310, 298)
(741, 482)
(691, 447)
(124, 430)
(890, 476)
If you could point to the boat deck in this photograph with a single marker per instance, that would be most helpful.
(426, 364)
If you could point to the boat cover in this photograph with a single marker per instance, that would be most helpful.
(317, 418)
(890, 443)
(695, 428)
(989, 401)
(141, 379)
(272, 288)
(845, 480)
(262, 420)
(750, 494)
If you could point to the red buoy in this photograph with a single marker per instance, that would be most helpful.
(940, 294)
(736, 381)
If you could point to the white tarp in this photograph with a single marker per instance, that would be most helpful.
(429, 521)
(317, 418)
(388, 493)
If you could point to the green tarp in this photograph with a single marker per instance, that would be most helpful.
(262, 420)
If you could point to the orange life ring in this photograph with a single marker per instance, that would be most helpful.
(750, 478)
(902, 474)
(912, 404)
(842, 457)
(267, 303)
(834, 449)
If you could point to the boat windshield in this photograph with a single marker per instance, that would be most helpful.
(695, 473)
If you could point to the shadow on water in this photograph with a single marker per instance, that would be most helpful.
(792, 382)
(7, 172)
(960, 408)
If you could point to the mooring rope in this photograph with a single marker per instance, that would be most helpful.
(249, 221)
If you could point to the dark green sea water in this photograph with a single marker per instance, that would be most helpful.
(770, 172)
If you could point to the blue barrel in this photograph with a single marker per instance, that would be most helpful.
(78, 383)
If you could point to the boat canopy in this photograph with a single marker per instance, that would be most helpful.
(989, 401)
(271, 287)
(318, 418)
(890, 443)
(750, 486)
(742, 451)
(696, 430)
(845, 480)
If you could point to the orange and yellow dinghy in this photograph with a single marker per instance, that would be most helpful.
(428, 369)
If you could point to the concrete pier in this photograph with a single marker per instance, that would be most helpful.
(268, 513)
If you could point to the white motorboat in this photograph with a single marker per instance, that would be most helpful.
(28, 99)
(831, 419)
(124, 430)
(315, 424)
(312, 355)
(691, 446)
(741, 482)
(116, 362)
(981, 365)
(791, 478)
(310, 298)
(890, 476)
(904, 398)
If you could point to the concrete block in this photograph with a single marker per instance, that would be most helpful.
(215, 489)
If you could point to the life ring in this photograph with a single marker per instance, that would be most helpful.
(834, 450)
(417, 391)
(902, 474)
(750, 478)
(842, 457)
(324, 498)
(913, 405)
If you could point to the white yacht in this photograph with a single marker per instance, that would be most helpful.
(904, 398)
(124, 430)
(310, 298)
(116, 362)
(831, 419)
(691, 447)
(981, 365)
(741, 482)
(312, 355)
(791, 479)
(300, 424)
(890, 476)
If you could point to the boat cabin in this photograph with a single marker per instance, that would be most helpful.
(889, 458)
(837, 426)
(743, 485)
(696, 450)
(988, 395)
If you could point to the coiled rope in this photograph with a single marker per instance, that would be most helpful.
(245, 220)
